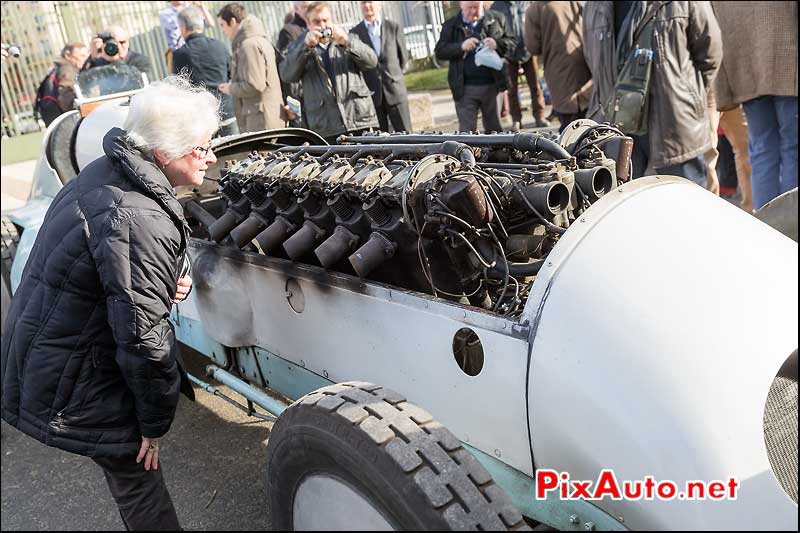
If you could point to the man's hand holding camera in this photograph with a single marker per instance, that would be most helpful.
(316, 36)
(312, 38)
(339, 36)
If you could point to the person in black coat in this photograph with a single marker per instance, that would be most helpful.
(475, 87)
(389, 94)
(207, 63)
(90, 362)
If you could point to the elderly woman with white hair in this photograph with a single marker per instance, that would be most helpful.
(89, 358)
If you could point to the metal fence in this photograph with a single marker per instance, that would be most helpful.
(42, 28)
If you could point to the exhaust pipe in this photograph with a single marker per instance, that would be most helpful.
(376, 251)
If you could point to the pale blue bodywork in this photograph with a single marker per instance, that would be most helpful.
(264, 369)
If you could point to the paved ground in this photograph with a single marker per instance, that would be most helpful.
(214, 464)
(16, 184)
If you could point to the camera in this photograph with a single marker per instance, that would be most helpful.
(326, 33)
(110, 45)
(12, 49)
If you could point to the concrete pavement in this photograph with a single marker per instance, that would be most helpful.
(15, 184)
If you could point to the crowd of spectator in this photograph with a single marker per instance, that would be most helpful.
(681, 63)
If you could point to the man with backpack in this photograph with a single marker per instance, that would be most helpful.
(651, 64)
(56, 93)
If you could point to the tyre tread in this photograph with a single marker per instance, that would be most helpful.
(456, 486)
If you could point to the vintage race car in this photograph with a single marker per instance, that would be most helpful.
(463, 323)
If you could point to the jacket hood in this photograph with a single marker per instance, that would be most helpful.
(251, 27)
(143, 173)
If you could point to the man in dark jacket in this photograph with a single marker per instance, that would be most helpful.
(99, 58)
(207, 61)
(520, 59)
(389, 94)
(331, 66)
(294, 25)
(475, 87)
(89, 358)
(687, 54)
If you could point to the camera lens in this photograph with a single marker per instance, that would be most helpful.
(110, 48)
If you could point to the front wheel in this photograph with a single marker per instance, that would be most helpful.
(356, 456)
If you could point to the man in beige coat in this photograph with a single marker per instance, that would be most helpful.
(255, 85)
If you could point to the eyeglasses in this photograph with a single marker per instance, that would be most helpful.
(202, 151)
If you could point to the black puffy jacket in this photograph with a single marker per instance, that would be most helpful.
(89, 359)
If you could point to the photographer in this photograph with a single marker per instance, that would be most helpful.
(114, 45)
(331, 65)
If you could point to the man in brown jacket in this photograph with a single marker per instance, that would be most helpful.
(759, 71)
(554, 31)
(255, 85)
(58, 88)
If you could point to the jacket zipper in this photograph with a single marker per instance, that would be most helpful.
(60, 425)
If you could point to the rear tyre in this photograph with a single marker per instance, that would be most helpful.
(356, 456)
(60, 147)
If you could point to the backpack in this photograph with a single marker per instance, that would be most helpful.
(47, 92)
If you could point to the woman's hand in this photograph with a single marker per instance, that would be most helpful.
(149, 452)
(184, 288)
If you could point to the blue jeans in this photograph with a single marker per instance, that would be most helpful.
(772, 139)
(694, 170)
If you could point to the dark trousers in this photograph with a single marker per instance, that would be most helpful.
(476, 98)
(694, 170)
(398, 115)
(537, 96)
(141, 495)
(566, 118)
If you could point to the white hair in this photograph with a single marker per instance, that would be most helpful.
(171, 116)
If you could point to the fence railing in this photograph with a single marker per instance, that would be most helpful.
(42, 28)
